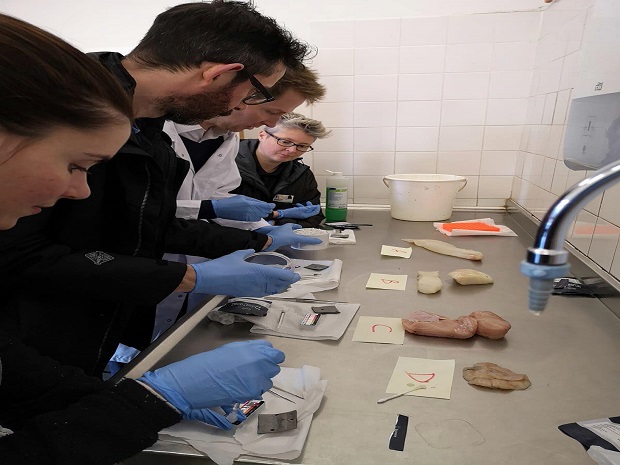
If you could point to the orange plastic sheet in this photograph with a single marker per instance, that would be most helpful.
(470, 226)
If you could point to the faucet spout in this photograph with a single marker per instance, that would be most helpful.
(547, 259)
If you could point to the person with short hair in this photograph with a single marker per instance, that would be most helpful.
(211, 148)
(272, 170)
(61, 113)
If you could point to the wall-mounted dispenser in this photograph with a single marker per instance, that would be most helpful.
(592, 136)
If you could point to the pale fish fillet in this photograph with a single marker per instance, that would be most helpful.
(467, 277)
(490, 324)
(445, 249)
(429, 282)
(424, 316)
(494, 376)
(463, 327)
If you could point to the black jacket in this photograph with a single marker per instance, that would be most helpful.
(295, 179)
(61, 416)
(86, 275)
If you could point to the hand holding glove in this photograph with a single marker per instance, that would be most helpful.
(232, 373)
(242, 208)
(300, 211)
(284, 235)
(232, 275)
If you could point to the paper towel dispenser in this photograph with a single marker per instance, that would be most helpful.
(592, 137)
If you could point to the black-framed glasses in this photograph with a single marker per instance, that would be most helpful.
(261, 95)
(290, 143)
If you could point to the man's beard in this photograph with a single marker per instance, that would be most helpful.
(196, 108)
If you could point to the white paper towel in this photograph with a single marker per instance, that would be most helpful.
(223, 447)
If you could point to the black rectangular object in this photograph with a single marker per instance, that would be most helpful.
(397, 440)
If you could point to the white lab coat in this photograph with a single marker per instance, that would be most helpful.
(215, 179)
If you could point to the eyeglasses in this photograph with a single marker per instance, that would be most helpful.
(261, 95)
(290, 143)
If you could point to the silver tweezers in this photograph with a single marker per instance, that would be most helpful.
(280, 395)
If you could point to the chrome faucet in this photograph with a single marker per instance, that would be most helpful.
(547, 259)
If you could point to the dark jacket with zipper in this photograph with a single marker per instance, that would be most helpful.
(294, 179)
(85, 275)
(61, 416)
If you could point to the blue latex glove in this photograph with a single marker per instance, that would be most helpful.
(231, 275)
(266, 229)
(300, 211)
(232, 373)
(242, 208)
(284, 235)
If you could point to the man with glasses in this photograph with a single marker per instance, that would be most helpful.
(211, 148)
(271, 170)
(90, 271)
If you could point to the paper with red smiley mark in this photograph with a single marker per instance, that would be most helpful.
(396, 282)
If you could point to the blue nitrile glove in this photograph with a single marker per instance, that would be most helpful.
(232, 275)
(300, 211)
(284, 235)
(232, 373)
(242, 208)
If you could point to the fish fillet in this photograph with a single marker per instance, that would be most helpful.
(463, 327)
(445, 249)
(490, 325)
(491, 375)
(467, 277)
(429, 282)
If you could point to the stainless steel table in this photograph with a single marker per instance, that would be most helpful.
(570, 353)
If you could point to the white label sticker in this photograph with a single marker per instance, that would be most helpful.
(336, 197)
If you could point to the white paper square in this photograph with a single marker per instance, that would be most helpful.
(436, 375)
(387, 281)
(392, 251)
(379, 329)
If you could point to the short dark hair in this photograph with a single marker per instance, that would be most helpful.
(220, 31)
(45, 82)
(304, 81)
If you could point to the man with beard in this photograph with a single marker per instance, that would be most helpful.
(211, 147)
(91, 270)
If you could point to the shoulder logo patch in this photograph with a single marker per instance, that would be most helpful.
(99, 258)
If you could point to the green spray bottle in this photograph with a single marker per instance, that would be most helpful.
(336, 197)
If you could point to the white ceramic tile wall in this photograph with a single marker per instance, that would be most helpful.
(540, 174)
(481, 95)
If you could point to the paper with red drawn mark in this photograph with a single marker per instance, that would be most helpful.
(436, 375)
(379, 329)
(421, 377)
(387, 281)
(393, 251)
